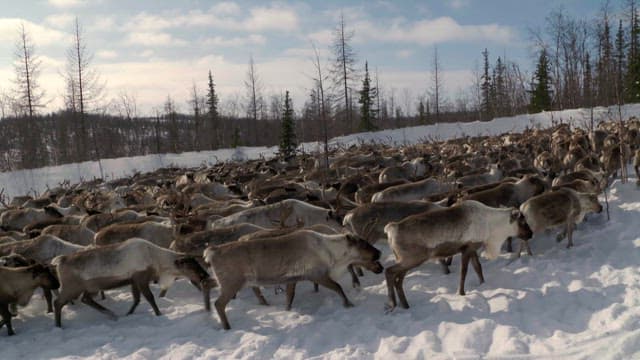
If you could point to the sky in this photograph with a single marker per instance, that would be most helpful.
(153, 48)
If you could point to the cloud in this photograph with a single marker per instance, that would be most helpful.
(459, 4)
(253, 39)
(271, 18)
(147, 53)
(226, 8)
(307, 52)
(66, 3)
(149, 38)
(60, 21)
(107, 54)
(102, 24)
(40, 35)
(322, 37)
(433, 31)
(404, 54)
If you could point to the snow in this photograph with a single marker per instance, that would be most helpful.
(579, 303)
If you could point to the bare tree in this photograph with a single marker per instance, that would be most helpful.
(28, 97)
(436, 83)
(6, 103)
(83, 82)
(343, 68)
(319, 81)
(407, 97)
(171, 114)
(253, 87)
(197, 104)
(127, 107)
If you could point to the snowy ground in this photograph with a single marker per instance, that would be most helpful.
(572, 304)
(582, 303)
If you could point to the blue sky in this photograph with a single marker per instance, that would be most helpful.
(154, 48)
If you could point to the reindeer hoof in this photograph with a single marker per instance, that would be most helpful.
(388, 308)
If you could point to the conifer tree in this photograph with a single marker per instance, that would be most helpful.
(486, 107)
(499, 92)
(540, 93)
(632, 86)
(288, 143)
(235, 138)
(422, 117)
(367, 94)
(604, 70)
(619, 62)
(587, 82)
(212, 113)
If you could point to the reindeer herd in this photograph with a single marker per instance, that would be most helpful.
(275, 223)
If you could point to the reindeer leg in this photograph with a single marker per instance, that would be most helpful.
(258, 294)
(330, 284)
(400, 290)
(355, 282)
(475, 261)
(526, 246)
(148, 295)
(6, 318)
(464, 265)
(291, 292)
(136, 298)
(206, 293)
(390, 275)
(49, 298)
(87, 299)
(445, 265)
(570, 227)
(226, 294)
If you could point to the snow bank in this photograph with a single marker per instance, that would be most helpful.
(37, 180)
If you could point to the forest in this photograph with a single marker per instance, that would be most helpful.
(577, 63)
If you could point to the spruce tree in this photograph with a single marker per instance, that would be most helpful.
(486, 107)
(587, 81)
(632, 86)
(540, 93)
(619, 63)
(422, 117)
(212, 114)
(287, 134)
(235, 138)
(367, 94)
(499, 92)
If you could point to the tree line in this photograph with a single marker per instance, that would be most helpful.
(578, 63)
